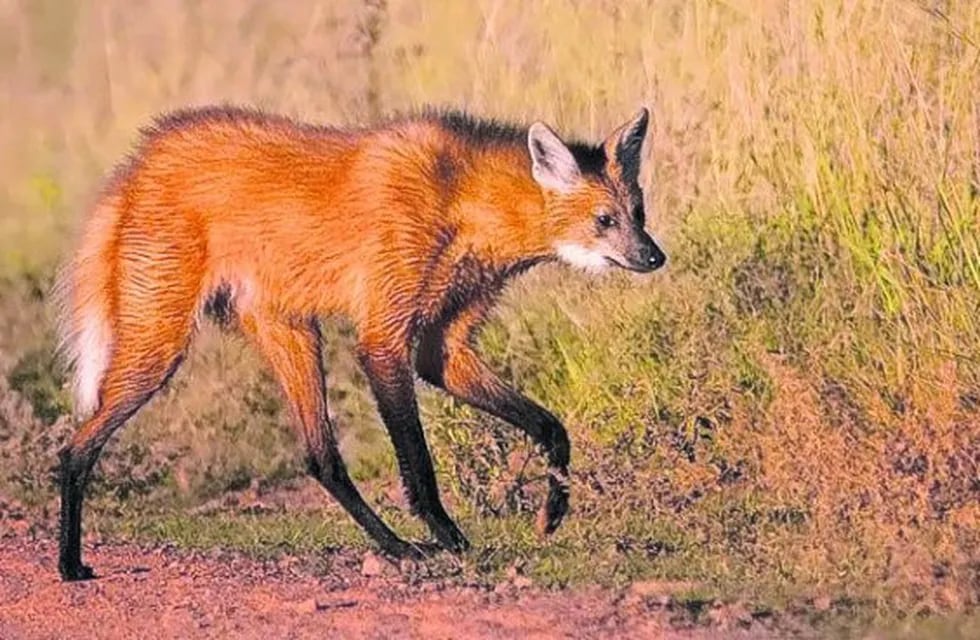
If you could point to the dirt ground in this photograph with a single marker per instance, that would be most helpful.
(161, 592)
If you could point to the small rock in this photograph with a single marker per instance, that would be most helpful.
(628, 599)
(653, 588)
(373, 565)
(310, 605)
(408, 566)
(727, 616)
(822, 603)
(655, 593)
(522, 582)
(719, 616)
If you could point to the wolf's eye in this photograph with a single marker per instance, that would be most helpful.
(606, 220)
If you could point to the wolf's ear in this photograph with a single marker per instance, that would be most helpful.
(626, 143)
(552, 163)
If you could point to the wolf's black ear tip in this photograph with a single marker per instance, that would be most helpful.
(640, 121)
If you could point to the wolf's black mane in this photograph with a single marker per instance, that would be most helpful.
(488, 132)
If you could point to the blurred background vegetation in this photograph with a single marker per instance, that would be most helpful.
(792, 410)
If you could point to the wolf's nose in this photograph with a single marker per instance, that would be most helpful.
(656, 258)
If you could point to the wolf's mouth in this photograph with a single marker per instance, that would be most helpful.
(636, 268)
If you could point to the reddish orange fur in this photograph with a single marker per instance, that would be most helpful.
(327, 221)
(373, 224)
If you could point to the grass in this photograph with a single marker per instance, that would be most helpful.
(790, 412)
(499, 543)
(581, 555)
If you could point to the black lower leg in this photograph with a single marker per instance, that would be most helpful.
(415, 465)
(329, 470)
(450, 362)
(77, 460)
(544, 429)
(393, 388)
(556, 506)
(549, 434)
(75, 469)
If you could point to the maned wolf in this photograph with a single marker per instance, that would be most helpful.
(410, 229)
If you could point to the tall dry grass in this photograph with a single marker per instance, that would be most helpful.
(795, 405)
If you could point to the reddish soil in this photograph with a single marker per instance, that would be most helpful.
(161, 592)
